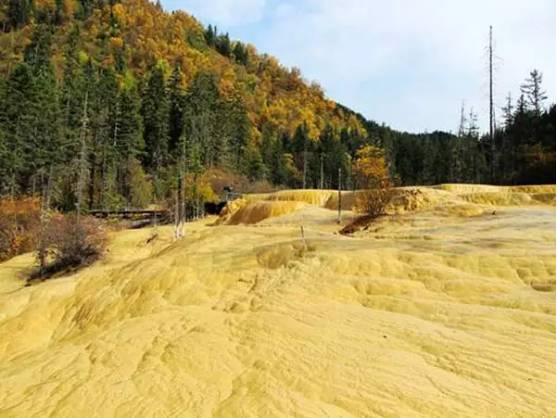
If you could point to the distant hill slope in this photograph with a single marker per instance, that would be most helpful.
(134, 34)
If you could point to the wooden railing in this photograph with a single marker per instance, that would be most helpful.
(128, 213)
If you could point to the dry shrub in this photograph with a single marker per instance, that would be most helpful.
(220, 178)
(374, 202)
(69, 242)
(371, 204)
(19, 226)
(260, 186)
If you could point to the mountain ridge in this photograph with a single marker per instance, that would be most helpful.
(143, 34)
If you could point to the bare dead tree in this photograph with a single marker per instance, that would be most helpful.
(42, 245)
(491, 108)
(339, 195)
(177, 214)
(321, 172)
(305, 167)
(456, 167)
(82, 159)
(180, 210)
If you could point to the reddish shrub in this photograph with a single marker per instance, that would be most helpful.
(69, 242)
(19, 226)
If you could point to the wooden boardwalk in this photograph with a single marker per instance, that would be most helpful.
(128, 213)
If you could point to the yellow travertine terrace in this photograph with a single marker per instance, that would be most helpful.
(446, 307)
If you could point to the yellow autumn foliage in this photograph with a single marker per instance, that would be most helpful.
(370, 169)
(272, 93)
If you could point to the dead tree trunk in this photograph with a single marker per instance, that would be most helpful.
(82, 160)
(305, 168)
(491, 109)
(321, 172)
(42, 245)
(339, 195)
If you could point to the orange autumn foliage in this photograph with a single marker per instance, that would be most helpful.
(19, 225)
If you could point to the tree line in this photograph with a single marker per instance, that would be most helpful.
(102, 138)
(523, 151)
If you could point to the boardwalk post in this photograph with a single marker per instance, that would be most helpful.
(303, 237)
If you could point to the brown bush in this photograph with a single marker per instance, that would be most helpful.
(371, 204)
(68, 242)
(260, 186)
(19, 226)
(220, 178)
(374, 202)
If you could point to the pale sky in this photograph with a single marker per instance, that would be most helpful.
(407, 63)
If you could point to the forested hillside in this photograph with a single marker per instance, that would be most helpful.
(117, 97)
(108, 103)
